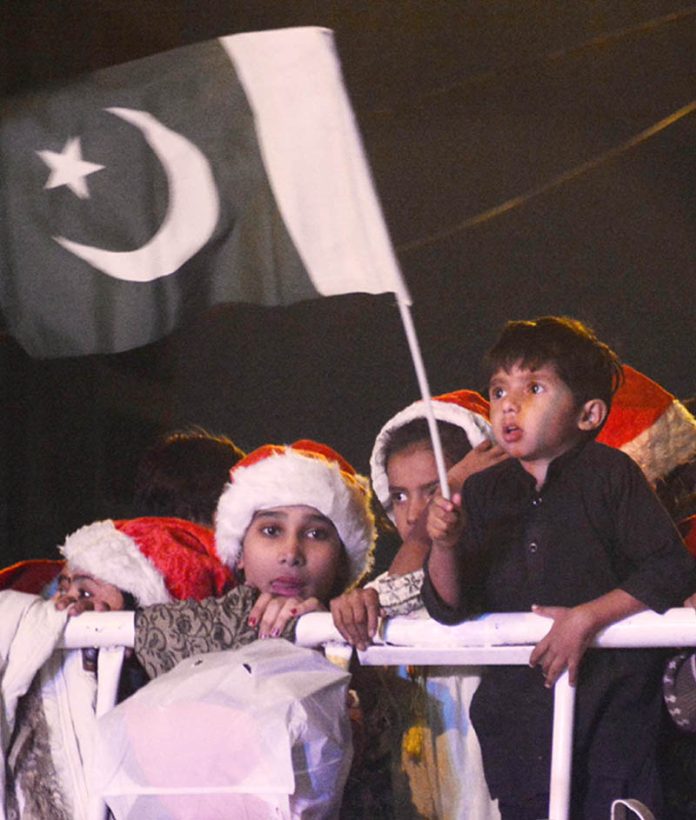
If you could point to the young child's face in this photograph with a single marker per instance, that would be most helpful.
(292, 552)
(412, 476)
(534, 414)
(77, 585)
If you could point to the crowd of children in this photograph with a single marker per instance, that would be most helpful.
(233, 548)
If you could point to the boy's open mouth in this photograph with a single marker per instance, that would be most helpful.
(511, 432)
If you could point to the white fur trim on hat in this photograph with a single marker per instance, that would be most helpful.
(106, 553)
(649, 424)
(476, 427)
(668, 443)
(289, 478)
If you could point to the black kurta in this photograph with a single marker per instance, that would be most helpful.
(595, 526)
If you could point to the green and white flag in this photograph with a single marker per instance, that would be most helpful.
(228, 171)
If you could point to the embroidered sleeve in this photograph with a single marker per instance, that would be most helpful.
(167, 633)
(399, 594)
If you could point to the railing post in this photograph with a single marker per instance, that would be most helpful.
(562, 748)
(109, 663)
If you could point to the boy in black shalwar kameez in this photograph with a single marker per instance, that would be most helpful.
(569, 528)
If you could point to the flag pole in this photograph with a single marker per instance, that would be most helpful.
(422, 377)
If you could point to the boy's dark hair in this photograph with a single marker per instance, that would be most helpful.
(183, 474)
(455, 442)
(588, 367)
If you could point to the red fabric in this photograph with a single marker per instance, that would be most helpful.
(316, 449)
(183, 552)
(257, 455)
(30, 576)
(304, 446)
(469, 400)
(636, 406)
(687, 528)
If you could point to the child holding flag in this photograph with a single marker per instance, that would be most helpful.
(571, 529)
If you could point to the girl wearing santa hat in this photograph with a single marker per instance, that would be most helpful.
(294, 524)
(404, 479)
(437, 752)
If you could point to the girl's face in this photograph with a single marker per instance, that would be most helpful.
(412, 476)
(76, 585)
(292, 552)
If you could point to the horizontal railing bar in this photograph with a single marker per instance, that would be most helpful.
(677, 627)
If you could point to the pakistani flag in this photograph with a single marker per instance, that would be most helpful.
(228, 171)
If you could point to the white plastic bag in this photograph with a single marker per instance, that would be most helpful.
(257, 732)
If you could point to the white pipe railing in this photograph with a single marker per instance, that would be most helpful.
(492, 639)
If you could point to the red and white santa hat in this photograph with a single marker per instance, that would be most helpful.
(305, 473)
(464, 408)
(156, 560)
(650, 425)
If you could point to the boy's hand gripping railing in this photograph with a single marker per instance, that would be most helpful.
(494, 639)
(508, 638)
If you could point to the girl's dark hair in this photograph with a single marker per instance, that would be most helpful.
(129, 602)
(183, 475)
(588, 367)
(455, 442)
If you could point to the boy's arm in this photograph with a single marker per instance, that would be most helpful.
(657, 567)
(445, 526)
(656, 571)
(574, 629)
(455, 571)
(453, 586)
(414, 550)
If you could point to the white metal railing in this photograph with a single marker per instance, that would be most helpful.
(493, 639)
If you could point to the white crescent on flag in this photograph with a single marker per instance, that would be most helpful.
(191, 215)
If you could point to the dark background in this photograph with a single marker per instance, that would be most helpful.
(464, 105)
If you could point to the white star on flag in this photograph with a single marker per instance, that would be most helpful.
(68, 168)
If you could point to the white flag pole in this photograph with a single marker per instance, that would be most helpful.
(422, 377)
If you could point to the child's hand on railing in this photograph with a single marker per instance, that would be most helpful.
(75, 606)
(573, 630)
(272, 613)
(356, 616)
